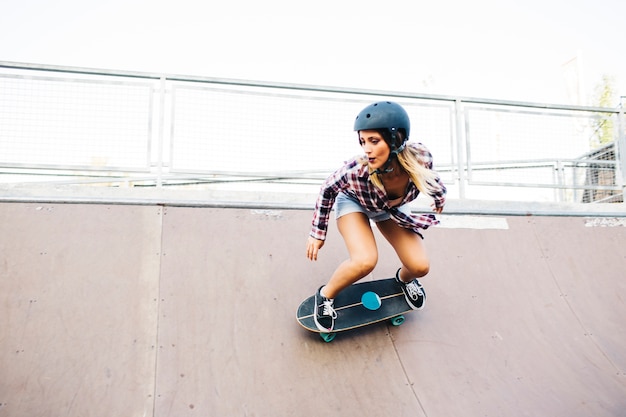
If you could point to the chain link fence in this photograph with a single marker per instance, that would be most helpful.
(61, 125)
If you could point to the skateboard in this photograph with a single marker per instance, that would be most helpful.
(360, 305)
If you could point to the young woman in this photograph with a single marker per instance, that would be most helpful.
(377, 186)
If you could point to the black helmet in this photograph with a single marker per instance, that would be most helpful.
(386, 115)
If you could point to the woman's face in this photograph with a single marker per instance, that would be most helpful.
(375, 148)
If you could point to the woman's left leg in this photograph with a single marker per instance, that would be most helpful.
(409, 248)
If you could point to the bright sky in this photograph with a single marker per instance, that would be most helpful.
(503, 49)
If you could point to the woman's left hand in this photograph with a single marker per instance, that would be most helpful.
(436, 209)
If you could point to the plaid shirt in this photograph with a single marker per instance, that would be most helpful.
(353, 179)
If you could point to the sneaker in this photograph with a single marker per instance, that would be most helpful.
(324, 314)
(413, 292)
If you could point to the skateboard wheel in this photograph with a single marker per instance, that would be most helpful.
(328, 337)
(397, 320)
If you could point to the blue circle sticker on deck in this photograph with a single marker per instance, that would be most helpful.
(371, 300)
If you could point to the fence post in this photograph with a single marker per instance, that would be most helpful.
(620, 155)
(459, 147)
(160, 140)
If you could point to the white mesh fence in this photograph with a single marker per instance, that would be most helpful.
(162, 130)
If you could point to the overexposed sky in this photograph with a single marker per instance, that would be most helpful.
(514, 50)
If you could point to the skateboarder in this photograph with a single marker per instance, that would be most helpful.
(377, 186)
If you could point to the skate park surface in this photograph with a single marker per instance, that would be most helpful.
(165, 310)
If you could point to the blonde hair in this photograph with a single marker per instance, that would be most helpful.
(424, 178)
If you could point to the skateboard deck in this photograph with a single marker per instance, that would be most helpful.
(360, 305)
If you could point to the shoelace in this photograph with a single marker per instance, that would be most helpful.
(328, 310)
(414, 291)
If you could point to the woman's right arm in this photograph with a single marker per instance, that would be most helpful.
(324, 205)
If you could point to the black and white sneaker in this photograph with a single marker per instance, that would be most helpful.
(324, 314)
(413, 292)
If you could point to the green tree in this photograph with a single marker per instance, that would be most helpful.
(604, 124)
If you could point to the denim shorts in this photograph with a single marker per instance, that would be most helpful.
(344, 204)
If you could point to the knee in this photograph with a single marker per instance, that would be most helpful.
(419, 269)
(365, 265)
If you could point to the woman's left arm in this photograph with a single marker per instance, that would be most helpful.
(439, 195)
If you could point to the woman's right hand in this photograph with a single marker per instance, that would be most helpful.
(312, 247)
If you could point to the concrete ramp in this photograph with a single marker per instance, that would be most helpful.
(111, 310)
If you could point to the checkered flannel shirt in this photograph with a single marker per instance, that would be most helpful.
(353, 179)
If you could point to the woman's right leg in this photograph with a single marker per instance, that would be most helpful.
(363, 255)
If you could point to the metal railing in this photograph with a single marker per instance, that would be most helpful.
(64, 125)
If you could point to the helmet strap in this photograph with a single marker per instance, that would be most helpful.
(387, 168)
